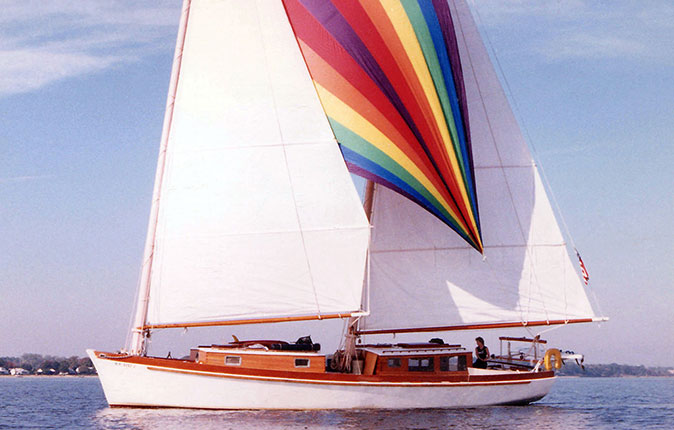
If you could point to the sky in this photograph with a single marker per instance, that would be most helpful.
(82, 95)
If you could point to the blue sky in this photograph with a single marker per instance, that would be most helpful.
(82, 93)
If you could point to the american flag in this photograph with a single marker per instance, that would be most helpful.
(583, 270)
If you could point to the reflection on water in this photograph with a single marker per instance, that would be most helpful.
(511, 417)
(585, 403)
(572, 404)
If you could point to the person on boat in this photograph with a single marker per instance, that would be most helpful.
(482, 354)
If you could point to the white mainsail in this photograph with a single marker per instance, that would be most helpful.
(423, 275)
(257, 216)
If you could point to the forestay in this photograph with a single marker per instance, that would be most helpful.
(257, 215)
(423, 275)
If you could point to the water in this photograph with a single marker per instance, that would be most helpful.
(582, 403)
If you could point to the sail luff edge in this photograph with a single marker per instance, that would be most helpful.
(137, 345)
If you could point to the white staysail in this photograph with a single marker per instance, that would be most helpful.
(257, 216)
(423, 275)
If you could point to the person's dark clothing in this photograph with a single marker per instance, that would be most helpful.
(481, 361)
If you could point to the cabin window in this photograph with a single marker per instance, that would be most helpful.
(452, 364)
(448, 363)
(301, 362)
(232, 360)
(393, 362)
(421, 364)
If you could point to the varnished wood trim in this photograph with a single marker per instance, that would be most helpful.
(522, 339)
(451, 379)
(477, 326)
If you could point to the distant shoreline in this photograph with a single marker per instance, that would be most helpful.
(613, 377)
(48, 376)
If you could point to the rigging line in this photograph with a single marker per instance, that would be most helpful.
(566, 301)
(498, 153)
(373, 198)
(538, 284)
(537, 160)
(549, 328)
(138, 342)
(132, 316)
(530, 141)
(285, 157)
(529, 249)
(342, 338)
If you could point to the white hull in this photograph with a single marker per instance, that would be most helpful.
(141, 385)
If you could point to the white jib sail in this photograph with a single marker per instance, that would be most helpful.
(424, 275)
(257, 215)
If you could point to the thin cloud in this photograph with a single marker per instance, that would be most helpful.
(12, 179)
(28, 69)
(593, 46)
(45, 42)
(498, 12)
(582, 29)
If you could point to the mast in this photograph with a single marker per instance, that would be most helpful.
(368, 201)
(139, 334)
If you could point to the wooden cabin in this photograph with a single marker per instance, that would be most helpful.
(429, 359)
(423, 358)
(263, 354)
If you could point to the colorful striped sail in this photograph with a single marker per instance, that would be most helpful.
(389, 77)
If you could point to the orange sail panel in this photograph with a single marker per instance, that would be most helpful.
(389, 77)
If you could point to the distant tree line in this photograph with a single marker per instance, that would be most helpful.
(49, 365)
(613, 370)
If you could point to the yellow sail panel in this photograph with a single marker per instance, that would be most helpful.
(402, 58)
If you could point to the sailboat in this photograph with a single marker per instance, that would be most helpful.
(255, 218)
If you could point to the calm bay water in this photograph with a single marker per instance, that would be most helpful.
(581, 403)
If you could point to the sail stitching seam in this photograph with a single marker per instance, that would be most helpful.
(498, 154)
(285, 157)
